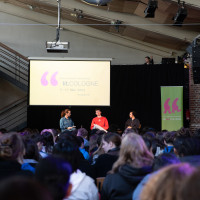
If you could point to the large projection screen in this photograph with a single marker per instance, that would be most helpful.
(69, 82)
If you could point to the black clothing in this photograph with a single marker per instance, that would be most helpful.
(193, 160)
(133, 123)
(105, 162)
(10, 168)
(120, 185)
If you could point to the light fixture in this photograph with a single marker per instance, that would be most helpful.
(181, 14)
(151, 8)
(97, 2)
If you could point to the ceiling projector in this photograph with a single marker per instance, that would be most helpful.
(57, 47)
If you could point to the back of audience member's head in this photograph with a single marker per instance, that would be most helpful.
(165, 184)
(48, 141)
(112, 137)
(184, 132)
(31, 150)
(80, 141)
(129, 130)
(187, 146)
(20, 188)
(163, 160)
(190, 188)
(133, 152)
(156, 144)
(54, 173)
(12, 147)
(93, 143)
(83, 133)
(69, 150)
(169, 137)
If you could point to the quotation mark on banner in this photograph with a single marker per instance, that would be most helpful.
(174, 106)
(53, 80)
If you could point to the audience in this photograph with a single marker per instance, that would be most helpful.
(63, 166)
(12, 151)
(134, 162)
(165, 184)
(54, 174)
(18, 188)
(111, 145)
(83, 186)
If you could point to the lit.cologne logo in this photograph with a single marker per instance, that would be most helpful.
(53, 80)
(174, 106)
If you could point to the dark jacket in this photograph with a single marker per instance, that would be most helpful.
(133, 123)
(10, 168)
(105, 162)
(120, 185)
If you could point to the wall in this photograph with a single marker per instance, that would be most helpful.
(194, 103)
(30, 41)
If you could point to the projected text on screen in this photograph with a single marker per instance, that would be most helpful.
(57, 82)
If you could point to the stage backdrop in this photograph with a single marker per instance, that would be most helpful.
(172, 108)
(131, 88)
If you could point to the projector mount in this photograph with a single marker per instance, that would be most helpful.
(57, 46)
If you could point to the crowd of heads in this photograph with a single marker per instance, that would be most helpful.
(47, 160)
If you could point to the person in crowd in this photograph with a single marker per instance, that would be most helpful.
(66, 122)
(190, 188)
(47, 142)
(188, 150)
(111, 145)
(165, 184)
(54, 174)
(149, 60)
(168, 140)
(98, 152)
(31, 156)
(2, 131)
(83, 187)
(82, 132)
(12, 151)
(132, 122)
(99, 120)
(22, 188)
(134, 162)
(82, 149)
(160, 161)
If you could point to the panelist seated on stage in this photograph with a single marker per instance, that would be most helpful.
(66, 122)
(99, 120)
(132, 122)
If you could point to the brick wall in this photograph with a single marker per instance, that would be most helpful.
(194, 102)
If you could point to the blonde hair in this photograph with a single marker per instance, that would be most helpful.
(166, 183)
(12, 147)
(133, 152)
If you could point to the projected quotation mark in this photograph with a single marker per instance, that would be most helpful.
(53, 80)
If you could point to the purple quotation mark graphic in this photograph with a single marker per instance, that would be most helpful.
(53, 80)
(174, 106)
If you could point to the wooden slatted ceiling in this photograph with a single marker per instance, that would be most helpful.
(128, 31)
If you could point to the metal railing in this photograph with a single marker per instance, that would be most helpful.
(13, 64)
(15, 68)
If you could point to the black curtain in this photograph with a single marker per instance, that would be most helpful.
(135, 87)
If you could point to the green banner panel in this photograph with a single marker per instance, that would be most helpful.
(171, 107)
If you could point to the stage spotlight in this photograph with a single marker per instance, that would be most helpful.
(97, 2)
(180, 15)
(151, 8)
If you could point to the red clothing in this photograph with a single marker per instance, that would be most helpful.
(101, 121)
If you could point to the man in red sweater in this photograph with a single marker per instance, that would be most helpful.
(99, 120)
